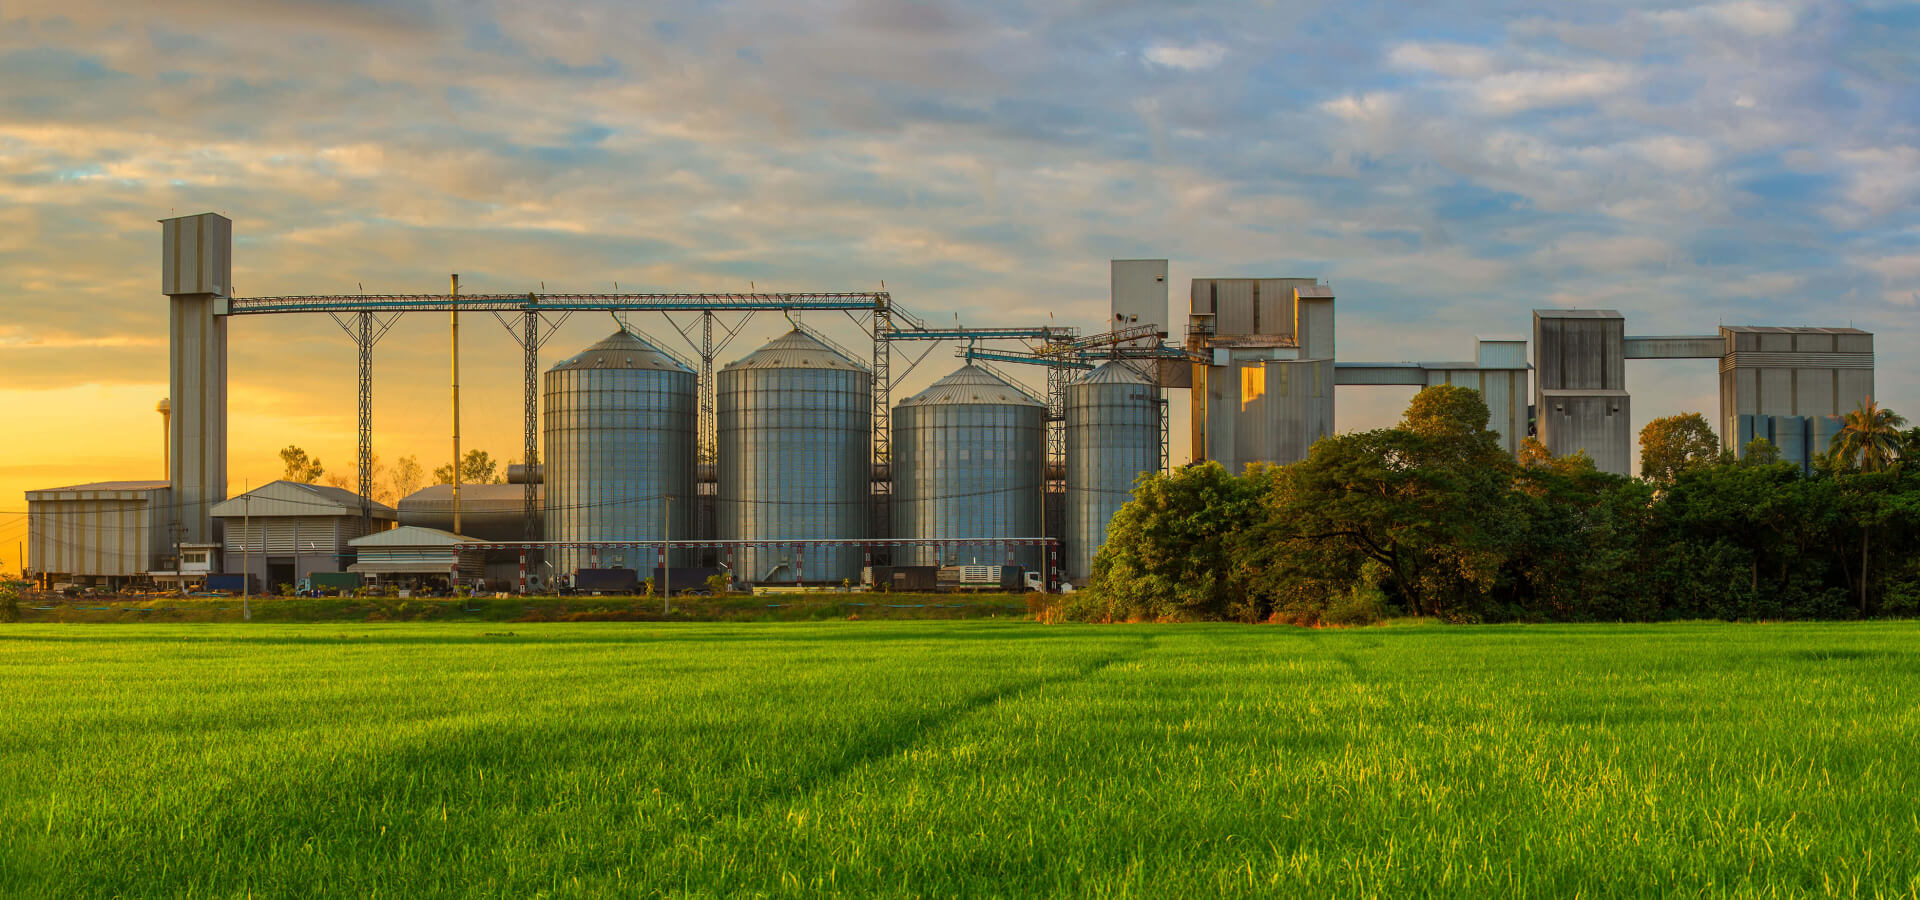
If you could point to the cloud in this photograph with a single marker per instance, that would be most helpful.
(1194, 57)
(1752, 19)
(1451, 60)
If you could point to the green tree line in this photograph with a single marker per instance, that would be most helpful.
(1433, 518)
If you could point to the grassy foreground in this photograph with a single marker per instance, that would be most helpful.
(948, 758)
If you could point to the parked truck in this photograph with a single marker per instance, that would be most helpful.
(232, 584)
(901, 578)
(614, 582)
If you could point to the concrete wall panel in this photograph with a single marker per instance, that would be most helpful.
(1314, 328)
(1597, 423)
(1776, 392)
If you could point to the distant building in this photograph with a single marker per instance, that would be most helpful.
(106, 534)
(283, 531)
(411, 556)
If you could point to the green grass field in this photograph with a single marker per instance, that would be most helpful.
(958, 758)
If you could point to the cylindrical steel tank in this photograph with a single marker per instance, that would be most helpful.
(794, 445)
(1113, 434)
(620, 419)
(968, 453)
(491, 512)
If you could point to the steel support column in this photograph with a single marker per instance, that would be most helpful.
(1166, 433)
(709, 425)
(365, 341)
(883, 402)
(530, 449)
(1057, 379)
(530, 335)
(365, 329)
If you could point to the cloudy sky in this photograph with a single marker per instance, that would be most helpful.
(1447, 166)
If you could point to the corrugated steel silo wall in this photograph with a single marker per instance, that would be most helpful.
(617, 442)
(794, 446)
(968, 471)
(1113, 434)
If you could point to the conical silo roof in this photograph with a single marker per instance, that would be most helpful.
(622, 350)
(972, 384)
(795, 350)
(1115, 372)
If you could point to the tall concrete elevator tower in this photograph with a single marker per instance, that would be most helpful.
(196, 274)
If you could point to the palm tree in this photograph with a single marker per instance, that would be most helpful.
(1869, 436)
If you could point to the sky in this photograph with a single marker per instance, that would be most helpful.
(1446, 166)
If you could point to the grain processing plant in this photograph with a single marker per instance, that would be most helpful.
(793, 465)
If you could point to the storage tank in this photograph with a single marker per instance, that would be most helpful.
(1113, 434)
(794, 446)
(490, 512)
(620, 419)
(968, 458)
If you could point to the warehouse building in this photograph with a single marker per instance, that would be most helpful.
(109, 534)
(415, 557)
(283, 531)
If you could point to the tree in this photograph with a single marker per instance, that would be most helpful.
(407, 476)
(299, 467)
(1533, 452)
(338, 480)
(1759, 452)
(1869, 437)
(477, 467)
(1169, 551)
(1676, 444)
(1535, 455)
(1449, 412)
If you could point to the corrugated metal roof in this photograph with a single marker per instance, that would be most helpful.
(1115, 372)
(473, 497)
(111, 486)
(413, 536)
(293, 498)
(622, 350)
(795, 350)
(971, 384)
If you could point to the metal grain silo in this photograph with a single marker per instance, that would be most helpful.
(795, 460)
(968, 457)
(1113, 435)
(620, 419)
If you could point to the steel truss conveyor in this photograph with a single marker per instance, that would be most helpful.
(367, 317)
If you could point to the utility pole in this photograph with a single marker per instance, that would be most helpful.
(455, 300)
(246, 552)
(666, 555)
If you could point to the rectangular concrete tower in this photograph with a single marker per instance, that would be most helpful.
(196, 271)
(1139, 296)
(1787, 384)
(1266, 392)
(1580, 386)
